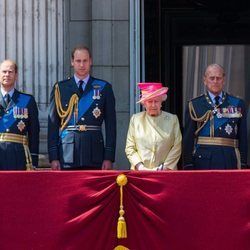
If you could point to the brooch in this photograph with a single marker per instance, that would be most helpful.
(21, 126)
(96, 112)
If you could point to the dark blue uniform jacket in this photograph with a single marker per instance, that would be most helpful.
(228, 120)
(87, 149)
(20, 117)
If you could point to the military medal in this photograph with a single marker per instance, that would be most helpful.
(96, 94)
(25, 113)
(21, 126)
(20, 113)
(15, 112)
(215, 110)
(231, 112)
(219, 113)
(96, 112)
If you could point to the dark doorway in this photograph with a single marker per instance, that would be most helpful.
(174, 24)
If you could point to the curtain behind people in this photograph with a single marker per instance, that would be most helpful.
(234, 59)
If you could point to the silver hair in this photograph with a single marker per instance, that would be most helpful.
(163, 98)
(214, 65)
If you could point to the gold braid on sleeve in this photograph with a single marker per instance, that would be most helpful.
(201, 121)
(65, 115)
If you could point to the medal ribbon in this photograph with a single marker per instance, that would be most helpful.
(8, 118)
(87, 100)
(218, 122)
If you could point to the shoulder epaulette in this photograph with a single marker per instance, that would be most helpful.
(236, 97)
(62, 81)
(24, 93)
(196, 97)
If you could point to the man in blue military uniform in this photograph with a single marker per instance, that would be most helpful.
(19, 124)
(215, 133)
(79, 106)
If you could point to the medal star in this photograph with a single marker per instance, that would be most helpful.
(21, 126)
(96, 112)
(228, 129)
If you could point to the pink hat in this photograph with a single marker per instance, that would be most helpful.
(150, 90)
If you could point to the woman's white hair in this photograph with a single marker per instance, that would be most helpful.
(163, 98)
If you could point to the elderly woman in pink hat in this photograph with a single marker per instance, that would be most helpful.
(154, 136)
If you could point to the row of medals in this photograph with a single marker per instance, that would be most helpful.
(96, 96)
(228, 112)
(20, 113)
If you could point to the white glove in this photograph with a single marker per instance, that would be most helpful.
(160, 167)
(140, 166)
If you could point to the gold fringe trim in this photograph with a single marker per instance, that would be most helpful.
(29, 166)
(237, 152)
(120, 247)
(121, 180)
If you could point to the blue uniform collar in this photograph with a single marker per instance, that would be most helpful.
(86, 79)
(212, 96)
(11, 92)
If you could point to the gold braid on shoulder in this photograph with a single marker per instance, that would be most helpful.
(201, 121)
(65, 115)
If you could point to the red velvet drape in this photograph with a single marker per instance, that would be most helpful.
(175, 210)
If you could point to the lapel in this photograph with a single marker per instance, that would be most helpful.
(72, 86)
(225, 100)
(207, 101)
(88, 86)
(75, 88)
(2, 102)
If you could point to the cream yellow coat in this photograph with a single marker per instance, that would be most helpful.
(154, 140)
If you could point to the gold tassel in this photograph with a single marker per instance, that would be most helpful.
(121, 180)
(29, 166)
(120, 247)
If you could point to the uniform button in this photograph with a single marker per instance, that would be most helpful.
(7, 112)
(199, 156)
(7, 130)
(66, 104)
(82, 118)
(220, 128)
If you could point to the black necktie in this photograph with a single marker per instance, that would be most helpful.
(217, 98)
(7, 99)
(80, 87)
